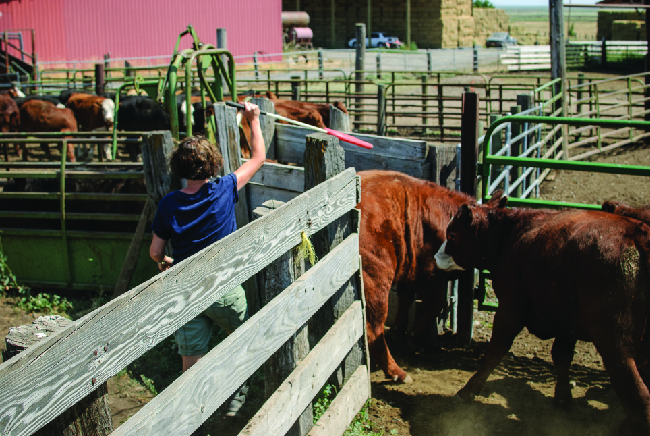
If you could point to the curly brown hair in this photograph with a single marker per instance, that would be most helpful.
(196, 158)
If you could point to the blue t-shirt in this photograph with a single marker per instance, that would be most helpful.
(194, 221)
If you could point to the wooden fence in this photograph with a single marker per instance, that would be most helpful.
(63, 368)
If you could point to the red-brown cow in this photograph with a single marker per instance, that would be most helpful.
(572, 275)
(322, 108)
(403, 222)
(616, 207)
(9, 117)
(42, 116)
(93, 112)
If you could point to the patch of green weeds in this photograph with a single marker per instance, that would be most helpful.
(360, 425)
(148, 383)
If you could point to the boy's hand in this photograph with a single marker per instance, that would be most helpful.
(251, 112)
(166, 263)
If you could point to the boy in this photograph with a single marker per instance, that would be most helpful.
(196, 217)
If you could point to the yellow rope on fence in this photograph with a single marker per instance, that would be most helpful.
(305, 250)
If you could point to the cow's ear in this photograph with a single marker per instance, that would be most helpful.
(495, 199)
(464, 214)
(503, 201)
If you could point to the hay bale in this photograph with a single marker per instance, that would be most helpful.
(628, 30)
(607, 18)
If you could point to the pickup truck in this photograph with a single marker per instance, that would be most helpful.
(378, 39)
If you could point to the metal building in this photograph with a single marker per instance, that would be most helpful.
(67, 30)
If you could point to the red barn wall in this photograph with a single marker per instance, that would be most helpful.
(68, 30)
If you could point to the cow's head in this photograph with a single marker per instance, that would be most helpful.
(611, 206)
(462, 249)
(108, 110)
(184, 111)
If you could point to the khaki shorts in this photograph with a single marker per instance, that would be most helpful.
(229, 312)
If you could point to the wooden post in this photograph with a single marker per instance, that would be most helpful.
(429, 61)
(369, 22)
(558, 60)
(425, 97)
(278, 275)
(359, 65)
(469, 151)
(333, 23)
(256, 66)
(267, 124)
(441, 114)
(227, 136)
(379, 64)
(408, 24)
(475, 58)
(100, 79)
(525, 101)
(295, 88)
(515, 150)
(381, 110)
(129, 72)
(156, 148)
(338, 120)
(320, 65)
(603, 52)
(324, 158)
(222, 42)
(89, 417)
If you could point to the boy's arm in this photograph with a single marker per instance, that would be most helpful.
(157, 253)
(258, 151)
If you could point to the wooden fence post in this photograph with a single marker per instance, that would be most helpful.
(100, 80)
(227, 136)
(295, 88)
(156, 148)
(379, 64)
(267, 124)
(515, 150)
(89, 417)
(278, 275)
(425, 102)
(469, 150)
(381, 110)
(325, 158)
(359, 66)
(339, 120)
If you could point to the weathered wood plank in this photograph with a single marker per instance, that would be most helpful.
(345, 406)
(361, 161)
(278, 275)
(281, 410)
(48, 378)
(338, 120)
(258, 194)
(291, 145)
(275, 175)
(443, 159)
(195, 395)
(267, 124)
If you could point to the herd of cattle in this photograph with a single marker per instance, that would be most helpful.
(570, 275)
(75, 110)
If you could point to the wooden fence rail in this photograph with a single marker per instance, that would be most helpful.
(51, 376)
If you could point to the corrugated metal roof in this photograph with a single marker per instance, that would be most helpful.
(68, 30)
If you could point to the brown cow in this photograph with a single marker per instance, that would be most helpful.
(322, 108)
(42, 116)
(572, 275)
(616, 207)
(93, 113)
(9, 117)
(403, 222)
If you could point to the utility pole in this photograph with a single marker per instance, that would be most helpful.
(558, 58)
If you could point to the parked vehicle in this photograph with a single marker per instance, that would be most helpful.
(379, 39)
(500, 39)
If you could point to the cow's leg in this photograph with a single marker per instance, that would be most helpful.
(376, 290)
(627, 383)
(405, 298)
(508, 322)
(435, 303)
(562, 354)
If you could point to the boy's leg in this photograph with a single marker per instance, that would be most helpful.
(193, 340)
(230, 312)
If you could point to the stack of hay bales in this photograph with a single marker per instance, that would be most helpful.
(487, 21)
(606, 20)
(442, 23)
(525, 37)
(628, 30)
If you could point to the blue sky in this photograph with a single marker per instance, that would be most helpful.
(500, 3)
